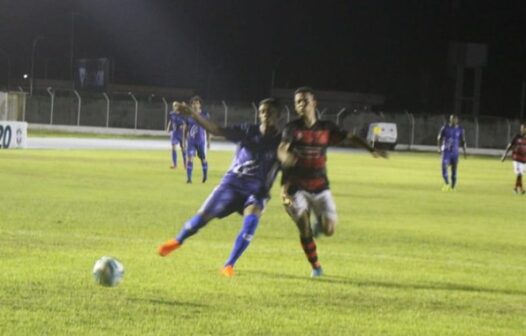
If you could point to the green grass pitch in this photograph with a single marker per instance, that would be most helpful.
(406, 258)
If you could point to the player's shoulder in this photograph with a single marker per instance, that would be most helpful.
(327, 124)
(294, 123)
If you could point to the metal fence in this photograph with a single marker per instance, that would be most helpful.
(130, 111)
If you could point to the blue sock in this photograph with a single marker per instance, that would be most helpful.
(189, 168)
(190, 228)
(250, 223)
(444, 172)
(174, 157)
(205, 170)
(453, 175)
(184, 157)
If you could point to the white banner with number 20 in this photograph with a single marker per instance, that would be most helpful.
(13, 134)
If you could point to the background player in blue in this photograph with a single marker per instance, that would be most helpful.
(177, 126)
(245, 186)
(198, 139)
(450, 137)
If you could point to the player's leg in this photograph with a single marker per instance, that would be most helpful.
(518, 167)
(183, 153)
(445, 164)
(324, 208)
(217, 205)
(174, 142)
(251, 215)
(454, 164)
(201, 153)
(299, 211)
(191, 151)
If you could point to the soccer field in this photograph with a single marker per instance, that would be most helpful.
(406, 258)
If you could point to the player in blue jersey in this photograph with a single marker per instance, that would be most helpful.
(198, 139)
(177, 128)
(450, 138)
(246, 185)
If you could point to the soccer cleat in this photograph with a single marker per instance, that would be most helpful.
(168, 247)
(516, 190)
(188, 181)
(173, 167)
(316, 272)
(446, 187)
(228, 271)
(204, 179)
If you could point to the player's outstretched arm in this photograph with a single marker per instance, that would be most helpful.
(210, 126)
(362, 143)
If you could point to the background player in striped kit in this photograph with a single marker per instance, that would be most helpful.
(518, 154)
(305, 186)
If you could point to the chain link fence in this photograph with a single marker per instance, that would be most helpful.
(129, 111)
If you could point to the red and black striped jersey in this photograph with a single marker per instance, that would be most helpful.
(309, 144)
(518, 145)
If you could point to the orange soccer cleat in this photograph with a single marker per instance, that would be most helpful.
(228, 271)
(168, 247)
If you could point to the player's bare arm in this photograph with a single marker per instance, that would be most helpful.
(285, 197)
(356, 140)
(210, 126)
(287, 158)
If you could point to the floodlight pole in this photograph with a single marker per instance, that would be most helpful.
(32, 74)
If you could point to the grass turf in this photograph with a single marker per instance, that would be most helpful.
(406, 259)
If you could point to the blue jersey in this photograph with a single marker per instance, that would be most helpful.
(177, 123)
(196, 133)
(255, 163)
(451, 136)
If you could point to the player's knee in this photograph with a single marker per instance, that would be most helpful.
(329, 227)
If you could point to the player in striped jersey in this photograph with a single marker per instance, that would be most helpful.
(305, 186)
(246, 185)
(518, 154)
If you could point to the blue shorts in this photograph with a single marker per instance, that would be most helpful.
(176, 139)
(225, 200)
(196, 148)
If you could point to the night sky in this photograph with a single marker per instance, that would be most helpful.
(234, 49)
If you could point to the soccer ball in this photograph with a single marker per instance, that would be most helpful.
(108, 271)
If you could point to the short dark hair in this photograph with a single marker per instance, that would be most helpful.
(304, 89)
(272, 103)
(196, 98)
